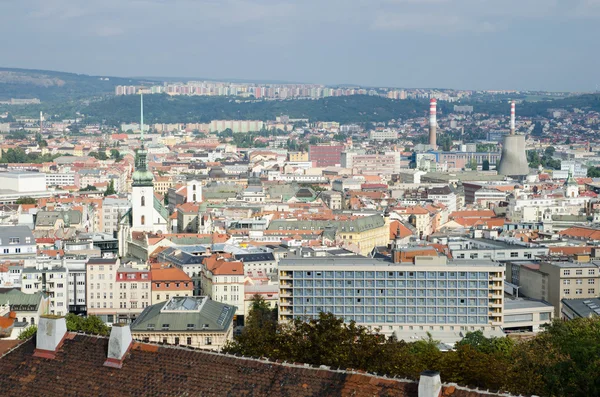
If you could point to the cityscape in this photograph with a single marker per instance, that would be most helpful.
(200, 236)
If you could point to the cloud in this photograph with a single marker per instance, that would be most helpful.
(435, 24)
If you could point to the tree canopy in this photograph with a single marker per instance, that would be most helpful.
(563, 360)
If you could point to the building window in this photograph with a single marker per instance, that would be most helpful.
(143, 201)
(566, 291)
(578, 291)
(579, 272)
(164, 341)
(566, 272)
(591, 281)
(208, 340)
(591, 291)
(591, 272)
(514, 254)
(143, 220)
(579, 282)
(189, 340)
(177, 340)
(566, 282)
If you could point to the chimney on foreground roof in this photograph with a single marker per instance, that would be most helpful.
(50, 335)
(118, 345)
(430, 384)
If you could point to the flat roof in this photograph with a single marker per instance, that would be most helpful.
(522, 303)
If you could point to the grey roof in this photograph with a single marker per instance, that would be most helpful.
(258, 257)
(21, 232)
(583, 307)
(180, 313)
(17, 298)
(521, 303)
(358, 225)
(49, 218)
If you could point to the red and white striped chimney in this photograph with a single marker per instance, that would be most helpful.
(512, 118)
(433, 123)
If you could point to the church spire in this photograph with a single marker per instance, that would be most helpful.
(142, 115)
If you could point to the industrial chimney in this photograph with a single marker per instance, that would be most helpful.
(512, 118)
(432, 123)
(513, 161)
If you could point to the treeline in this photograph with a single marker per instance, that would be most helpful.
(166, 109)
(564, 360)
(528, 108)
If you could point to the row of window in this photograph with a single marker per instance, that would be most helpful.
(393, 302)
(177, 285)
(368, 319)
(391, 283)
(579, 291)
(579, 281)
(392, 274)
(390, 310)
(389, 292)
(579, 272)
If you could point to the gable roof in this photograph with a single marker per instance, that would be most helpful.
(152, 370)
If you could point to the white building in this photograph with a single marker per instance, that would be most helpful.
(51, 281)
(113, 210)
(382, 135)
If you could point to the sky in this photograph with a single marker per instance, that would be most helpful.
(548, 45)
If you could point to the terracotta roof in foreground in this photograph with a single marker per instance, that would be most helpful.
(153, 370)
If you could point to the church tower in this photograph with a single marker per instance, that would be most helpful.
(571, 187)
(142, 187)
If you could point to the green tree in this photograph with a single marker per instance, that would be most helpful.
(90, 324)
(115, 155)
(485, 166)
(101, 155)
(27, 332)
(26, 200)
(111, 188)
(89, 188)
(593, 172)
(549, 151)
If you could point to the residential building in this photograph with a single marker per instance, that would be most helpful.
(52, 282)
(168, 282)
(387, 163)
(259, 263)
(526, 315)
(16, 242)
(198, 322)
(383, 134)
(27, 307)
(325, 155)
(113, 210)
(223, 281)
(555, 282)
(495, 249)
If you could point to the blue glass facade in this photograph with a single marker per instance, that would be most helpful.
(406, 297)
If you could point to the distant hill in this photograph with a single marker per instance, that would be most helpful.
(50, 86)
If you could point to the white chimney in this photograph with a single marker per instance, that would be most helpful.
(118, 345)
(430, 384)
(50, 334)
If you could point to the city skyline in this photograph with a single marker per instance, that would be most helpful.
(389, 43)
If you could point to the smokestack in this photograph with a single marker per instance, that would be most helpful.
(432, 123)
(512, 118)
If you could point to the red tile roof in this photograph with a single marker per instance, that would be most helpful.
(152, 370)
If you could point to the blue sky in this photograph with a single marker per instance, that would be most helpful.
(467, 44)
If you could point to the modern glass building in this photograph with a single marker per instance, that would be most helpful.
(431, 294)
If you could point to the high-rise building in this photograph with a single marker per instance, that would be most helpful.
(445, 298)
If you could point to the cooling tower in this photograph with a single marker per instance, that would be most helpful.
(513, 161)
